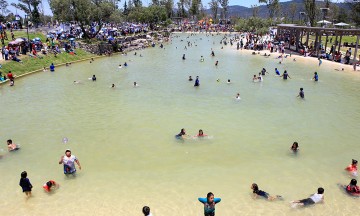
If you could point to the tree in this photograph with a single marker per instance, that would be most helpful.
(214, 7)
(225, 6)
(255, 10)
(126, 9)
(181, 8)
(3, 6)
(152, 14)
(169, 6)
(342, 15)
(29, 7)
(273, 7)
(355, 16)
(155, 2)
(137, 3)
(194, 9)
(84, 12)
(292, 11)
(311, 11)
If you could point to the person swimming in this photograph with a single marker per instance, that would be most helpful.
(316, 77)
(295, 147)
(257, 192)
(201, 134)
(277, 72)
(301, 93)
(50, 185)
(182, 134)
(197, 82)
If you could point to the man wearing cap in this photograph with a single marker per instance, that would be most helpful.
(68, 161)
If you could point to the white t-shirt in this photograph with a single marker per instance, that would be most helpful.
(317, 197)
(70, 162)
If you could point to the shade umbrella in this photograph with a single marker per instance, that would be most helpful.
(323, 21)
(341, 24)
(19, 40)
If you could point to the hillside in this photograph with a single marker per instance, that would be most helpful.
(241, 11)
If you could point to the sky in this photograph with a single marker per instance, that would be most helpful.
(246, 3)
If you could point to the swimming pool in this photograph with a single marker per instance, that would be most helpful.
(124, 137)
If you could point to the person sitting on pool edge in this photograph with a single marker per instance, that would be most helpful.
(315, 198)
(257, 192)
(12, 146)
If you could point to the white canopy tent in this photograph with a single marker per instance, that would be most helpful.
(341, 24)
(323, 22)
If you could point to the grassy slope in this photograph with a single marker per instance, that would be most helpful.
(31, 64)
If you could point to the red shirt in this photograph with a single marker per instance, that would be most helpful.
(10, 76)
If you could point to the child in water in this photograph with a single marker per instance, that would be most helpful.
(50, 185)
(257, 192)
(183, 58)
(182, 134)
(295, 147)
(12, 146)
(228, 82)
(352, 168)
(216, 63)
(316, 77)
(146, 211)
(301, 93)
(190, 78)
(209, 204)
(201, 134)
(315, 198)
(277, 72)
(197, 82)
(352, 187)
(93, 78)
(25, 184)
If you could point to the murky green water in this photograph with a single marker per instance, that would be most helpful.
(124, 137)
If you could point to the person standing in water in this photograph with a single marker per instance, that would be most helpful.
(209, 204)
(93, 78)
(197, 82)
(25, 184)
(316, 77)
(216, 63)
(190, 78)
(183, 58)
(69, 161)
(301, 93)
(285, 75)
(295, 147)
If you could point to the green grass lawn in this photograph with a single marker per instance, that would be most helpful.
(349, 39)
(23, 34)
(31, 64)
